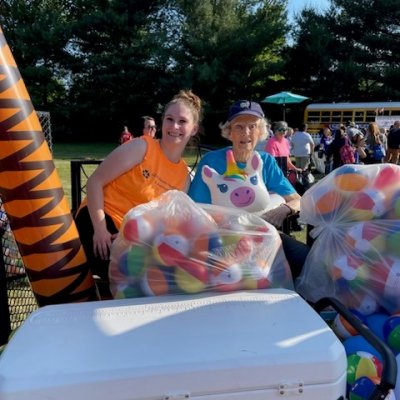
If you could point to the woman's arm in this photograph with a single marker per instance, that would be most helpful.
(118, 162)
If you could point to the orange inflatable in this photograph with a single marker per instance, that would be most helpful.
(34, 199)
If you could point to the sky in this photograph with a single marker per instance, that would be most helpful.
(295, 6)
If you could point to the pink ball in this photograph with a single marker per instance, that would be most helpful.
(366, 238)
(386, 277)
(388, 176)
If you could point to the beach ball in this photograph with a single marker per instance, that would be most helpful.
(215, 243)
(342, 328)
(386, 276)
(169, 249)
(363, 363)
(366, 238)
(366, 205)
(127, 291)
(225, 277)
(357, 343)
(138, 229)
(326, 201)
(393, 242)
(375, 323)
(255, 277)
(132, 263)
(364, 303)
(155, 281)
(362, 388)
(349, 178)
(243, 249)
(387, 176)
(391, 332)
(191, 276)
(349, 272)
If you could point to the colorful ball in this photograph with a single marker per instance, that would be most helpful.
(326, 201)
(342, 328)
(362, 388)
(349, 178)
(170, 249)
(349, 272)
(191, 276)
(357, 343)
(155, 282)
(138, 229)
(363, 364)
(387, 177)
(391, 332)
(386, 277)
(132, 263)
(393, 242)
(127, 291)
(375, 323)
(364, 304)
(255, 277)
(367, 238)
(366, 205)
(226, 277)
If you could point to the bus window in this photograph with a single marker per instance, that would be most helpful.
(313, 117)
(325, 116)
(370, 117)
(358, 116)
(336, 117)
(347, 116)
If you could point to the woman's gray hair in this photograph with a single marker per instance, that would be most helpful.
(262, 125)
(280, 125)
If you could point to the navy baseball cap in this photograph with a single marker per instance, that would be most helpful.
(245, 107)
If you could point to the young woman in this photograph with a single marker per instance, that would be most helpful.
(136, 173)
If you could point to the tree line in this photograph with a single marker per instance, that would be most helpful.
(97, 65)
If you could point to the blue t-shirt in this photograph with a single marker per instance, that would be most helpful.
(272, 175)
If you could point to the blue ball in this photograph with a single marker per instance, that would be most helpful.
(358, 343)
(375, 323)
(361, 389)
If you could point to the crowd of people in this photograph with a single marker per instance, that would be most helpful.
(143, 168)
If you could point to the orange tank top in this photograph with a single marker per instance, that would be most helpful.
(144, 182)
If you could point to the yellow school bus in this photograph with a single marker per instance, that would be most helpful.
(331, 115)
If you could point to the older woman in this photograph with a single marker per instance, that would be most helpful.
(244, 128)
(279, 147)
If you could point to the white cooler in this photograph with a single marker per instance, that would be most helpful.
(267, 344)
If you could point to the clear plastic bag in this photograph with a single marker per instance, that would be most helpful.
(355, 212)
(173, 245)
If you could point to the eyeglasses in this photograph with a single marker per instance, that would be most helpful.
(282, 129)
(151, 127)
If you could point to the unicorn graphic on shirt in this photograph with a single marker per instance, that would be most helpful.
(240, 188)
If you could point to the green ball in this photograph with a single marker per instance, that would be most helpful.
(133, 262)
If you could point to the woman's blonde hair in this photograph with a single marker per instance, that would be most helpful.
(262, 126)
(190, 100)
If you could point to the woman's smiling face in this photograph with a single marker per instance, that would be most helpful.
(178, 124)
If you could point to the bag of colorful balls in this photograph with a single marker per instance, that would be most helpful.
(355, 211)
(173, 245)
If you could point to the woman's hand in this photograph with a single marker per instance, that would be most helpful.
(277, 215)
(102, 240)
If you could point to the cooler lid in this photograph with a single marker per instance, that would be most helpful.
(151, 347)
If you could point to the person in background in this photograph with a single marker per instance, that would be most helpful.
(149, 126)
(126, 136)
(289, 135)
(303, 147)
(133, 174)
(337, 143)
(326, 140)
(244, 127)
(279, 147)
(393, 144)
(373, 138)
(358, 142)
